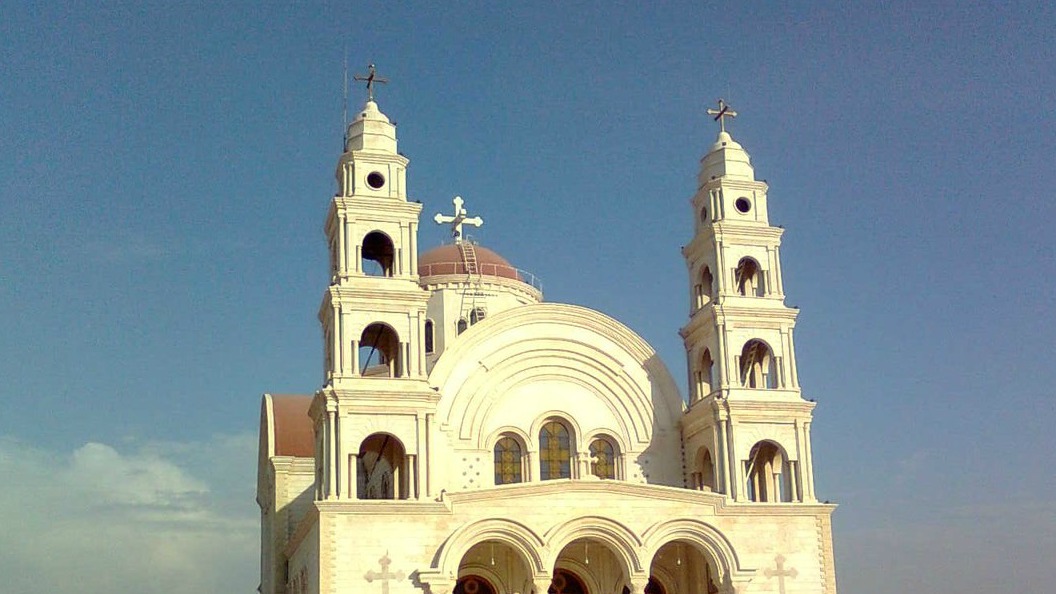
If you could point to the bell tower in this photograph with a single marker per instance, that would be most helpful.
(747, 429)
(371, 413)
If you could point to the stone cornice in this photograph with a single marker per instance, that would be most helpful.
(566, 486)
(705, 320)
(738, 232)
(784, 404)
(393, 210)
(382, 507)
(729, 182)
(385, 295)
(372, 395)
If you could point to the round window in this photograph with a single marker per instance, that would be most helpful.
(375, 180)
(743, 205)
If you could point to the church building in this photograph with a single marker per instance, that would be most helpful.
(471, 438)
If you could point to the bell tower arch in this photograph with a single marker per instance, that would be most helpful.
(743, 386)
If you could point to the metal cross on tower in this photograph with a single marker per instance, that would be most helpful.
(458, 220)
(780, 573)
(371, 77)
(722, 113)
(384, 575)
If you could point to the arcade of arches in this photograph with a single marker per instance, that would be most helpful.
(585, 566)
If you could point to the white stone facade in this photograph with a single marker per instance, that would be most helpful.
(471, 438)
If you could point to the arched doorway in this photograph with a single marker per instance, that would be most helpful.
(493, 567)
(589, 565)
(680, 567)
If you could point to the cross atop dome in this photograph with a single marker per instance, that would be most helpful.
(458, 220)
(370, 78)
(721, 114)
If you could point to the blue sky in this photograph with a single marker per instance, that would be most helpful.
(168, 169)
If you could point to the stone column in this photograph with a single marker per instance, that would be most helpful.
(723, 458)
(413, 491)
(723, 359)
(353, 476)
(342, 247)
(331, 451)
(808, 466)
(345, 344)
(736, 473)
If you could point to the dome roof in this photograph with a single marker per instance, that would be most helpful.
(448, 259)
(294, 434)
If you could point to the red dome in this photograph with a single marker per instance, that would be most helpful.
(449, 259)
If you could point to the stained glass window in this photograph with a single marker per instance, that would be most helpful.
(507, 461)
(555, 452)
(604, 454)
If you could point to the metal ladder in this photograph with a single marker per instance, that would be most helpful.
(469, 258)
(473, 275)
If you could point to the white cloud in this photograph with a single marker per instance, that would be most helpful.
(155, 517)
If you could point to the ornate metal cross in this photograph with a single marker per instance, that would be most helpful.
(371, 77)
(385, 575)
(722, 113)
(458, 220)
(781, 572)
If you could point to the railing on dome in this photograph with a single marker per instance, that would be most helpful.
(483, 268)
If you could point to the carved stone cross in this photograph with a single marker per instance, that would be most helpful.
(780, 573)
(371, 77)
(384, 576)
(458, 220)
(722, 113)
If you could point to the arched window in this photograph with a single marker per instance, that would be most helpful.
(477, 315)
(428, 336)
(380, 468)
(758, 366)
(603, 454)
(379, 352)
(749, 278)
(509, 464)
(555, 451)
(333, 262)
(704, 375)
(768, 474)
(704, 471)
(462, 325)
(707, 283)
(378, 254)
